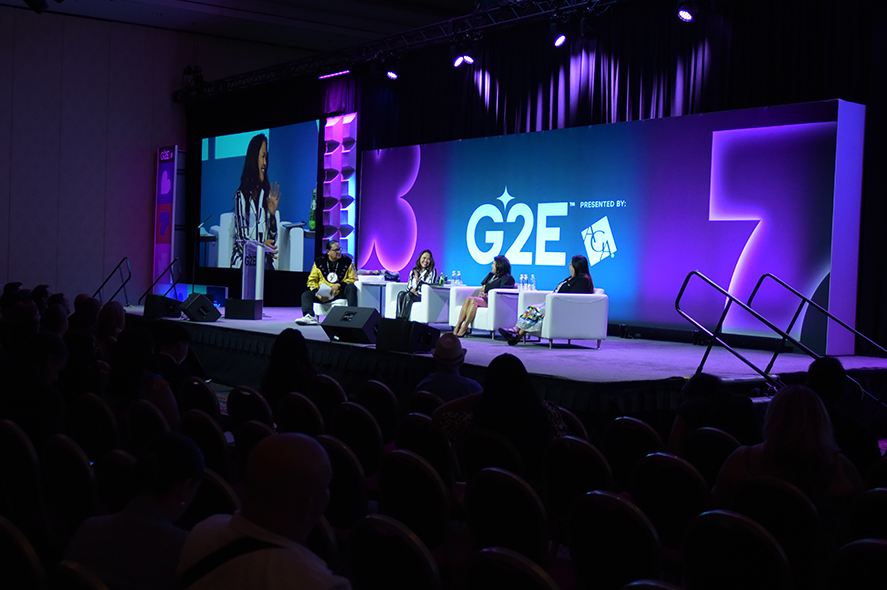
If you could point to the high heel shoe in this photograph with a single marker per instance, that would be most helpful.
(509, 336)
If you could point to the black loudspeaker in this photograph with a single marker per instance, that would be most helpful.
(243, 309)
(199, 308)
(405, 336)
(158, 306)
(352, 324)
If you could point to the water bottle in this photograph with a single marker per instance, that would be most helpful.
(523, 283)
(532, 282)
(453, 279)
(442, 278)
(459, 278)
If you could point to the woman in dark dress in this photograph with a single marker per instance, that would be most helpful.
(499, 278)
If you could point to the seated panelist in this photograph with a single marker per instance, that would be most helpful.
(332, 277)
(423, 272)
(499, 278)
(531, 320)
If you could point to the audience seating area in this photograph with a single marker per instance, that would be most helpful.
(406, 504)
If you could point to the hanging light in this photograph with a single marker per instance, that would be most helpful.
(686, 10)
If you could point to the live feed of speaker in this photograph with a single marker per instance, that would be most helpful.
(291, 167)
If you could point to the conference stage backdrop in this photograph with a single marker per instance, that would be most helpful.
(732, 195)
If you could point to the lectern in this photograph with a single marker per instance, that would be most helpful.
(252, 283)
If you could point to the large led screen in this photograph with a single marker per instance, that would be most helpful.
(732, 195)
(290, 160)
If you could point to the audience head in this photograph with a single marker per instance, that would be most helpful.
(59, 299)
(448, 352)
(506, 387)
(503, 266)
(169, 468)
(287, 485)
(701, 385)
(47, 354)
(289, 353)
(827, 377)
(428, 258)
(174, 339)
(111, 320)
(86, 313)
(10, 295)
(40, 295)
(54, 319)
(797, 425)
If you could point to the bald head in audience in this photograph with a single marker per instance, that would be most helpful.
(287, 485)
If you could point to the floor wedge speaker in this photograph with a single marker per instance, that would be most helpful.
(396, 335)
(159, 306)
(357, 325)
(199, 308)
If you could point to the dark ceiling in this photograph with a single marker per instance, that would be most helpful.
(316, 26)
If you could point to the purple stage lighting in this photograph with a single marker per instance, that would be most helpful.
(468, 59)
(458, 61)
(334, 74)
(560, 40)
(392, 75)
(686, 11)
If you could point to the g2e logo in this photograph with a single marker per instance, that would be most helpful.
(516, 253)
(599, 242)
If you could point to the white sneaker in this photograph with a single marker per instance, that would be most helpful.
(308, 320)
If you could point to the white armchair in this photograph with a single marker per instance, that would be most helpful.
(571, 316)
(433, 308)
(501, 310)
(290, 243)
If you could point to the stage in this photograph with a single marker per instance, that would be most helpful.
(626, 376)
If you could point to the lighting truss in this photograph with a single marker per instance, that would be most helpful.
(509, 13)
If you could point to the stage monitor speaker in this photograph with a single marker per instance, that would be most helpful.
(396, 335)
(243, 309)
(199, 308)
(159, 306)
(357, 325)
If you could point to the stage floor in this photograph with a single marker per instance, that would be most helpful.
(618, 359)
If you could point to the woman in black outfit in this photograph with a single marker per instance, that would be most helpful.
(530, 321)
(499, 278)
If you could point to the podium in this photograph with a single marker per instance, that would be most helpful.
(252, 283)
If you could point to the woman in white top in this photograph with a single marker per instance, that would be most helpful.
(255, 204)
(423, 272)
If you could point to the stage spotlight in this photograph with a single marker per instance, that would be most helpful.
(686, 10)
(588, 27)
(557, 35)
(333, 74)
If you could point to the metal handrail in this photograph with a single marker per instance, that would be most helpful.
(175, 281)
(715, 336)
(122, 284)
(804, 300)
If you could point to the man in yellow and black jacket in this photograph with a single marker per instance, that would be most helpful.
(332, 277)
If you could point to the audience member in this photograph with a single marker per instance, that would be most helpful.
(510, 406)
(86, 314)
(40, 295)
(139, 547)
(130, 378)
(798, 447)
(85, 370)
(263, 545)
(446, 382)
(173, 342)
(826, 376)
(59, 299)
(111, 321)
(30, 398)
(289, 368)
(54, 319)
(706, 402)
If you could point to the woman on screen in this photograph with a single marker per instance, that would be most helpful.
(255, 204)
(499, 278)
(530, 321)
(423, 272)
